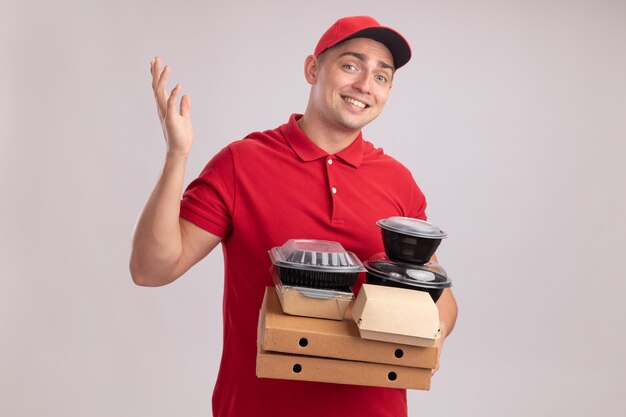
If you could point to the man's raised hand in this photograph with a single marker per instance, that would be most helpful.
(176, 126)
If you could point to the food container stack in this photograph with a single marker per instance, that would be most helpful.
(313, 277)
(405, 310)
(308, 332)
(409, 246)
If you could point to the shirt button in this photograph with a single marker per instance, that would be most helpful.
(334, 190)
(330, 162)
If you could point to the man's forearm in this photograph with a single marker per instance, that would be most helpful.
(157, 243)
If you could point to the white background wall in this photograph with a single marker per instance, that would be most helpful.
(510, 115)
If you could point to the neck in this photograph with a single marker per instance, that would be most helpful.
(329, 139)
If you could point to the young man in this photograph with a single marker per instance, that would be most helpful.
(313, 177)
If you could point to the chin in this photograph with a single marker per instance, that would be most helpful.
(352, 121)
(356, 124)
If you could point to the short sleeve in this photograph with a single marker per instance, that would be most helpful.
(209, 199)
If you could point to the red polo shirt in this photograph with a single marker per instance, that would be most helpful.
(256, 194)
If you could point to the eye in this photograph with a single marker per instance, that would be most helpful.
(349, 67)
(381, 79)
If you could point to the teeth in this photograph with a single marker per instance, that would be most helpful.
(355, 102)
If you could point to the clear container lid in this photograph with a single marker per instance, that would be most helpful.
(429, 275)
(315, 255)
(412, 227)
(319, 293)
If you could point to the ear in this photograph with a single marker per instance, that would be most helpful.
(311, 67)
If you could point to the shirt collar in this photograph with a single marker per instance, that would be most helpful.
(309, 151)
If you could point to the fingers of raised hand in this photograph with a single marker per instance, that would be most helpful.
(171, 101)
(185, 106)
(159, 82)
(156, 71)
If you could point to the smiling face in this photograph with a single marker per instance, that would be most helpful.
(350, 84)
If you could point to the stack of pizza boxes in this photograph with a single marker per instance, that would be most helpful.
(311, 327)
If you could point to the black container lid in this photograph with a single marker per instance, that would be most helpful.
(412, 227)
(429, 275)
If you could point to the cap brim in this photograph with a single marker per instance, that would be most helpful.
(397, 45)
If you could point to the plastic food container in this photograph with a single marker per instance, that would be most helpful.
(312, 302)
(315, 264)
(410, 240)
(429, 277)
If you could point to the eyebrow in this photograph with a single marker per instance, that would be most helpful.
(363, 58)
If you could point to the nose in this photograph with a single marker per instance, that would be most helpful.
(363, 82)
